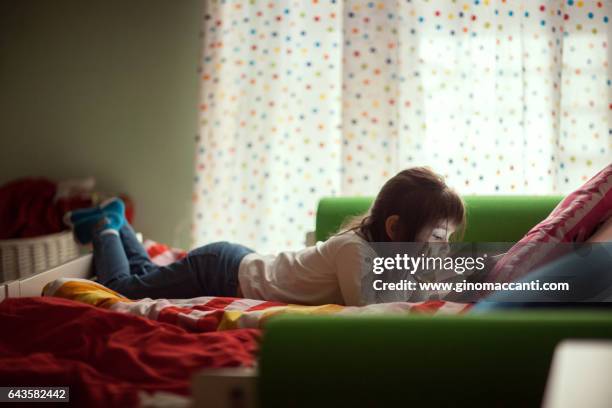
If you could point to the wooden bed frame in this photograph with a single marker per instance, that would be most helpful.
(80, 267)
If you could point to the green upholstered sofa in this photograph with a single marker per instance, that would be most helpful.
(497, 359)
(489, 218)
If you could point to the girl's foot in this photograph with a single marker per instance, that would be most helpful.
(114, 210)
(87, 222)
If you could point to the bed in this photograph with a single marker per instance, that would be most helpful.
(212, 343)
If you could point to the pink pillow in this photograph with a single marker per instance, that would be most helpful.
(573, 220)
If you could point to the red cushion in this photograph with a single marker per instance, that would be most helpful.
(573, 220)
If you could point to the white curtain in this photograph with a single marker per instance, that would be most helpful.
(302, 100)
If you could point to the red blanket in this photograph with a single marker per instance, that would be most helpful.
(106, 357)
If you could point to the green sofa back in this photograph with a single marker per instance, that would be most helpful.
(484, 360)
(489, 218)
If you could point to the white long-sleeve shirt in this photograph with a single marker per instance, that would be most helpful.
(327, 272)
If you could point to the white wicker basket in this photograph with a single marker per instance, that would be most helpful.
(26, 256)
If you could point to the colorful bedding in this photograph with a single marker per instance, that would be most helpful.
(205, 313)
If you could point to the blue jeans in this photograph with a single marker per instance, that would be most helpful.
(122, 264)
(588, 272)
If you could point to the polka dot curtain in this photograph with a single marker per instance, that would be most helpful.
(302, 100)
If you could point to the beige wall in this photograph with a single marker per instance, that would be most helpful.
(106, 88)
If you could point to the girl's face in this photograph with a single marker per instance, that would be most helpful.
(439, 232)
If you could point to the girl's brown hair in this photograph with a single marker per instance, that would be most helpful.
(419, 197)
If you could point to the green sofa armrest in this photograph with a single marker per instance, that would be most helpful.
(371, 361)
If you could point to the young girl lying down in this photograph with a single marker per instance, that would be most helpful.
(413, 206)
